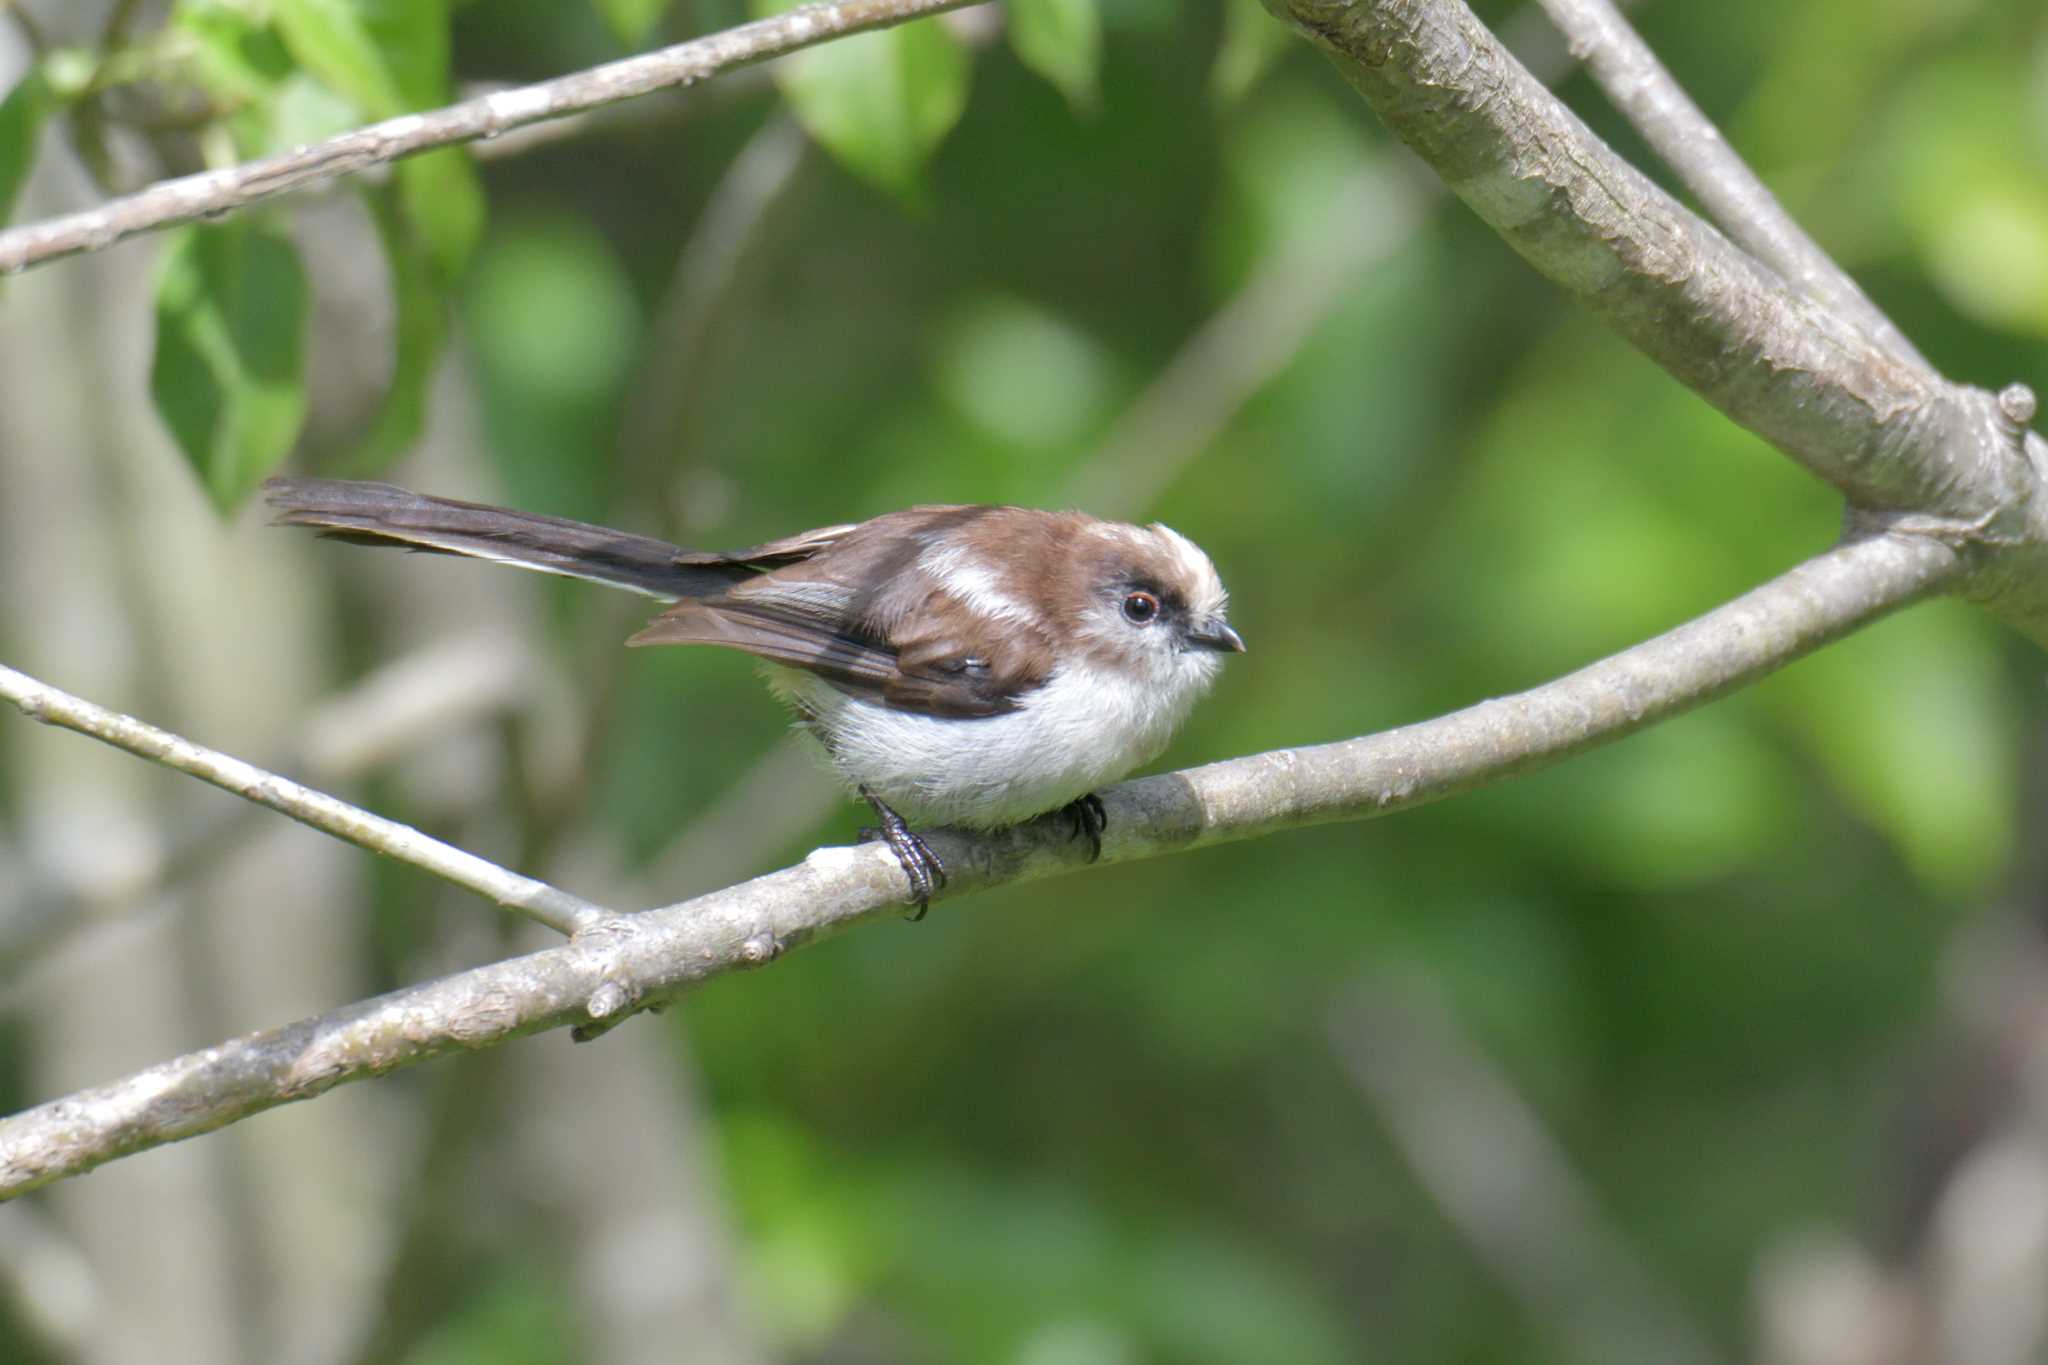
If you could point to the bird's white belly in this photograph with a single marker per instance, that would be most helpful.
(1083, 729)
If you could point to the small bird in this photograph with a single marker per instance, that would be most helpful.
(965, 665)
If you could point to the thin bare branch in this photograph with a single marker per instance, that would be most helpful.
(114, 32)
(31, 31)
(536, 900)
(419, 696)
(1894, 437)
(1246, 343)
(1263, 326)
(607, 971)
(213, 193)
(1692, 146)
(1504, 1180)
(668, 388)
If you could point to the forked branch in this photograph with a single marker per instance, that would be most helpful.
(1898, 440)
(1946, 472)
(607, 971)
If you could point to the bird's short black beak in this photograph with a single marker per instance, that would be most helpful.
(1216, 635)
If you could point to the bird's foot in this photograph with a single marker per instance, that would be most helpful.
(1088, 819)
(920, 865)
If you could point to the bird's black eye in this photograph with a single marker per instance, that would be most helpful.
(1140, 608)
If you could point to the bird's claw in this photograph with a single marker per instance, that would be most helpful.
(921, 866)
(1087, 819)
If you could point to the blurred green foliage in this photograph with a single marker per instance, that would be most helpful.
(879, 101)
(230, 340)
(1102, 1120)
(22, 115)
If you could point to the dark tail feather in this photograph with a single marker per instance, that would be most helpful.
(385, 514)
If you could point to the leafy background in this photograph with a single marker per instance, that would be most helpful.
(1231, 1106)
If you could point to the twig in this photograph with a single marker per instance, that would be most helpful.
(536, 900)
(399, 706)
(1246, 343)
(652, 117)
(1260, 330)
(213, 193)
(612, 968)
(31, 31)
(604, 1232)
(670, 384)
(775, 800)
(1692, 146)
(1889, 435)
(1503, 1180)
(115, 31)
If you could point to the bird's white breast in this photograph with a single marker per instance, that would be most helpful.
(1084, 728)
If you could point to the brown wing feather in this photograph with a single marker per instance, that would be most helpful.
(855, 665)
(938, 673)
(930, 681)
(864, 538)
(851, 605)
(928, 667)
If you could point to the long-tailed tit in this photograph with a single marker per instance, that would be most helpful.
(975, 666)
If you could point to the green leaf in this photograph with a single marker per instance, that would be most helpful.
(1023, 374)
(231, 56)
(242, 68)
(22, 115)
(631, 20)
(882, 101)
(411, 36)
(445, 202)
(1252, 41)
(1969, 193)
(330, 39)
(302, 111)
(420, 306)
(1062, 41)
(553, 326)
(390, 56)
(1909, 719)
(229, 374)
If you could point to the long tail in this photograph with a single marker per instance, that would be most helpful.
(385, 514)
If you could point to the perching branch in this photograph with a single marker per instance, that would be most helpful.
(1894, 437)
(536, 900)
(621, 964)
(213, 193)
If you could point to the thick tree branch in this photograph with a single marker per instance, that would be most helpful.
(606, 971)
(213, 193)
(536, 900)
(1894, 437)
(1692, 146)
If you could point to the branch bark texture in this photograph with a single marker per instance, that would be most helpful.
(1744, 207)
(212, 193)
(1893, 436)
(330, 815)
(617, 965)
